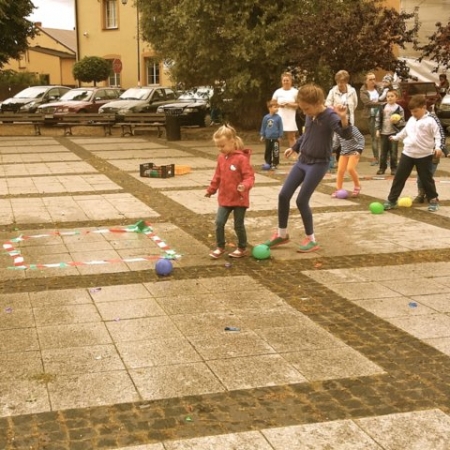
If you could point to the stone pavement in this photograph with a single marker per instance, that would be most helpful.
(344, 348)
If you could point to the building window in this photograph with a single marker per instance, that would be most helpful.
(114, 78)
(22, 61)
(152, 71)
(110, 14)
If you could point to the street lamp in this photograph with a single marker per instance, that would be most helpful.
(124, 2)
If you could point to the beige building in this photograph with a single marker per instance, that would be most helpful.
(51, 54)
(110, 29)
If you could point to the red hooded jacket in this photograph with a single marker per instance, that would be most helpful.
(232, 170)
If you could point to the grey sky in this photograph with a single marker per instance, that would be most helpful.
(54, 13)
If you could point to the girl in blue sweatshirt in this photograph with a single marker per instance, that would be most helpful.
(314, 151)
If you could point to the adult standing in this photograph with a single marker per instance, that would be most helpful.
(443, 84)
(343, 94)
(370, 96)
(286, 98)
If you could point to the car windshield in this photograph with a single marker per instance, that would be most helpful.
(31, 92)
(77, 95)
(196, 94)
(136, 94)
(203, 94)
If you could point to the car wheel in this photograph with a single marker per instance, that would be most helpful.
(206, 120)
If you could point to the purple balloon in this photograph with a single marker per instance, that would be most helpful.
(341, 193)
(163, 267)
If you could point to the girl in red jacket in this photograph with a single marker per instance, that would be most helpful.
(233, 178)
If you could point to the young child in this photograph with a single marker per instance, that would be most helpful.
(434, 162)
(389, 119)
(351, 150)
(421, 140)
(233, 178)
(314, 150)
(272, 131)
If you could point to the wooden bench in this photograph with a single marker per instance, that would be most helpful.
(37, 120)
(143, 121)
(68, 121)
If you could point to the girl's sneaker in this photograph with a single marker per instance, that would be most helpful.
(308, 246)
(276, 240)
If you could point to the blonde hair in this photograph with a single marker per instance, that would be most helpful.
(228, 132)
(286, 75)
(272, 103)
(342, 75)
(311, 94)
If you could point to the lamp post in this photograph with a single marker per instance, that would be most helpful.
(124, 2)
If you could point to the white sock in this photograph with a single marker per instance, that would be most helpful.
(311, 237)
(282, 232)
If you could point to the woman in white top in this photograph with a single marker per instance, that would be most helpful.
(286, 97)
(343, 94)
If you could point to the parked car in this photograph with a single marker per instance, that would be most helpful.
(80, 100)
(28, 100)
(443, 111)
(409, 88)
(192, 108)
(140, 100)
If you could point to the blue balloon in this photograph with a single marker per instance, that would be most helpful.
(163, 267)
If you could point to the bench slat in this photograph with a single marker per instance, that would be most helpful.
(67, 121)
(143, 121)
(22, 118)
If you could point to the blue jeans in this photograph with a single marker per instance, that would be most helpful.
(388, 148)
(308, 176)
(373, 137)
(239, 227)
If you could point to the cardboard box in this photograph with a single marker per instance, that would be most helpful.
(150, 170)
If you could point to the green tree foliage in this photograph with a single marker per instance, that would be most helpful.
(348, 34)
(15, 29)
(247, 44)
(438, 46)
(12, 78)
(91, 68)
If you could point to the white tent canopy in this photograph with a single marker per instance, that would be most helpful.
(423, 70)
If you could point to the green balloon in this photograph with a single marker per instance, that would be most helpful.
(261, 251)
(376, 208)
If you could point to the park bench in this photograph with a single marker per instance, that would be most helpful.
(37, 120)
(68, 121)
(142, 121)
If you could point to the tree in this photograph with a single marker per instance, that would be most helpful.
(438, 46)
(91, 68)
(361, 37)
(247, 44)
(15, 29)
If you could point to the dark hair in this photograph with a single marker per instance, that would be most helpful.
(311, 94)
(394, 91)
(443, 76)
(417, 101)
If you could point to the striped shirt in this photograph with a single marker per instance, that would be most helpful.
(348, 146)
